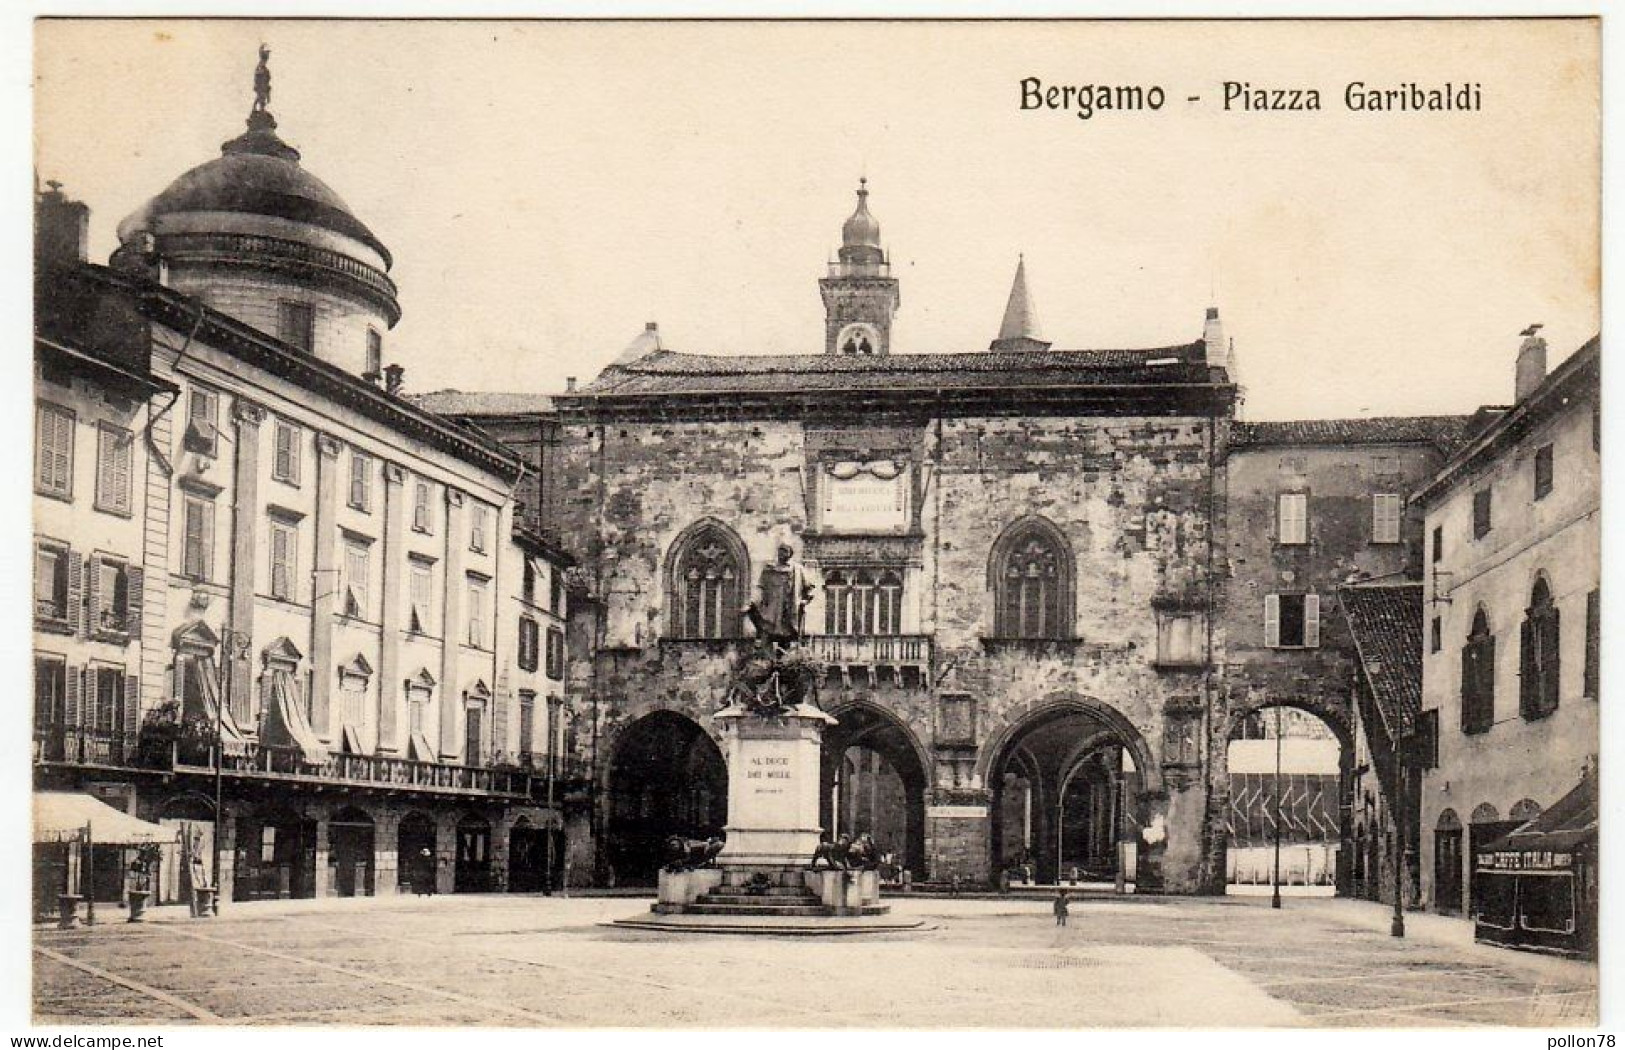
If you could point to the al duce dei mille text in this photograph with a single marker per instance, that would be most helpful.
(1243, 96)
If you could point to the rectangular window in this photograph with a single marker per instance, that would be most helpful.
(360, 480)
(1436, 635)
(1593, 642)
(53, 450)
(296, 325)
(285, 464)
(1481, 514)
(1386, 508)
(356, 580)
(107, 705)
(527, 722)
(476, 538)
(109, 596)
(284, 559)
(375, 354)
(529, 644)
(50, 691)
(1543, 471)
(555, 654)
(476, 613)
(115, 456)
(420, 506)
(197, 544)
(203, 422)
(527, 589)
(421, 588)
(52, 568)
(1292, 518)
(1438, 543)
(1292, 621)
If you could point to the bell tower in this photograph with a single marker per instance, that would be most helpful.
(860, 294)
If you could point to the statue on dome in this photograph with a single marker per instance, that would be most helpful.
(262, 81)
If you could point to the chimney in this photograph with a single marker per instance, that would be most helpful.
(394, 376)
(1217, 347)
(569, 384)
(1531, 370)
(61, 227)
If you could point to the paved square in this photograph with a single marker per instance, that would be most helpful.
(519, 961)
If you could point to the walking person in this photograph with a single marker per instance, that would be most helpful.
(1061, 906)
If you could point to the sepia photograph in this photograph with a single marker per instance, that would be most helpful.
(815, 524)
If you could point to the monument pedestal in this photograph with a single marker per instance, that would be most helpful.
(774, 767)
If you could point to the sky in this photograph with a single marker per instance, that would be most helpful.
(547, 188)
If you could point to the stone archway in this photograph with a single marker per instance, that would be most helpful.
(1072, 749)
(1312, 798)
(665, 777)
(874, 780)
(351, 857)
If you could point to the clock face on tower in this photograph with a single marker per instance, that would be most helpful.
(858, 339)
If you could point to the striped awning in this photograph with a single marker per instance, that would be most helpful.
(61, 816)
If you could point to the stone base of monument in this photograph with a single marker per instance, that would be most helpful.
(764, 881)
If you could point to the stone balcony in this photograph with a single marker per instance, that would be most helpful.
(903, 659)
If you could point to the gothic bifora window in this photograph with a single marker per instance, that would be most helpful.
(707, 580)
(1032, 580)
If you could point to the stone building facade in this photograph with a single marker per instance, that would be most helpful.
(1011, 555)
(321, 576)
(1512, 603)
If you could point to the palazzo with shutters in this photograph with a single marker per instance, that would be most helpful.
(255, 558)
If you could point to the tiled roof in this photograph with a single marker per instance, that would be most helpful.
(1444, 432)
(667, 372)
(1386, 621)
(496, 403)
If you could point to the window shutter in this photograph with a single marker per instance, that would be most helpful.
(90, 707)
(97, 602)
(1469, 686)
(1486, 681)
(72, 691)
(1553, 662)
(1311, 621)
(136, 599)
(1528, 676)
(132, 709)
(206, 542)
(1272, 621)
(105, 452)
(76, 576)
(1593, 642)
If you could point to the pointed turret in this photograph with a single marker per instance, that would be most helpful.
(1019, 330)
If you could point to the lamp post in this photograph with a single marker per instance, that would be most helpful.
(1275, 879)
(1396, 927)
(233, 646)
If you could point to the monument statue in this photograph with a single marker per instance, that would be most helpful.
(262, 81)
(782, 594)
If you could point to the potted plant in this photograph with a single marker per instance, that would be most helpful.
(141, 868)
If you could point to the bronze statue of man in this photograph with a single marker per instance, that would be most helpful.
(262, 81)
(782, 594)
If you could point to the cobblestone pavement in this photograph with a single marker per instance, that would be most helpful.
(524, 961)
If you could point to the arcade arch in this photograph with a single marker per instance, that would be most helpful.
(874, 781)
(666, 777)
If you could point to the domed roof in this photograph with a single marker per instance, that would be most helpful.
(257, 179)
(862, 230)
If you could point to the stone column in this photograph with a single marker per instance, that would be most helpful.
(452, 628)
(244, 550)
(501, 830)
(386, 852)
(326, 589)
(445, 852)
(393, 557)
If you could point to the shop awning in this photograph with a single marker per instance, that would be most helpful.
(61, 816)
(1549, 840)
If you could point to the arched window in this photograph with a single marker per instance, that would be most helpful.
(707, 574)
(1478, 677)
(861, 602)
(1538, 654)
(1031, 578)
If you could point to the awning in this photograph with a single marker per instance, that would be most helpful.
(202, 701)
(285, 721)
(1549, 840)
(61, 816)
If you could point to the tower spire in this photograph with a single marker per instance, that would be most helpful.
(1019, 329)
(860, 294)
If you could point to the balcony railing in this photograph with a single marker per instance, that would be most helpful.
(76, 745)
(899, 650)
(289, 764)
